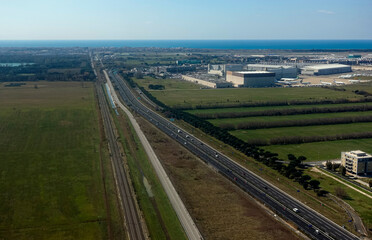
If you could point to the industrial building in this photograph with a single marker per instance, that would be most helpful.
(281, 71)
(254, 79)
(208, 82)
(325, 69)
(357, 162)
(221, 69)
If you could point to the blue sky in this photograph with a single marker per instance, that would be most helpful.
(185, 19)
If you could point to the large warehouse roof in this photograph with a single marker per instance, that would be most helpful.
(269, 66)
(252, 72)
(326, 66)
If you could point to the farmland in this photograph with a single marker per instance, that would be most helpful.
(196, 101)
(316, 151)
(235, 97)
(236, 121)
(51, 186)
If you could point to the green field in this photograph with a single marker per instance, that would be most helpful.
(169, 84)
(258, 109)
(236, 121)
(205, 97)
(50, 182)
(319, 130)
(317, 151)
(359, 202)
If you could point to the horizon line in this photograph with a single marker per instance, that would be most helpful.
(274, 39)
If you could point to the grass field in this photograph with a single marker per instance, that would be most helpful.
(236, 121)
(220, 210)
(191, 98)
(169, 84)
(51, 187)
(320, 130)
(317, 151)
(161, 219)
(258, 109)
(359, 202)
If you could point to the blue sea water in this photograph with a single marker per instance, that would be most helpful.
(207, 44)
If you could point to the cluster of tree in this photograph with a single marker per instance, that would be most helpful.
(231, 104)
(297, 123)
(64, 68)
(283, 112)
(362, 92)
(156, 87)
(336, 167)
(292, 171)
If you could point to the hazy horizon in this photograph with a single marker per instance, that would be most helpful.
(186, 20)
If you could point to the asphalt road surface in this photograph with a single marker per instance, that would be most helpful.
(307, 220)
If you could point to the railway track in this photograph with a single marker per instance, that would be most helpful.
(133, 222)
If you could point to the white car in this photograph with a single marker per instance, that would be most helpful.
(295, 210)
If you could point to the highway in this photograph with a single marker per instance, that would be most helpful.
(307, 220)
(132, 220)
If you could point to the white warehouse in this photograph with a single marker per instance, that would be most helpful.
(254, 79)
(325, 69)
(281, 71)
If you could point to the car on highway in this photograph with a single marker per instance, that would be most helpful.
(295, 210)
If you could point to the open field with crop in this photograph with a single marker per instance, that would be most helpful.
(169, 84)
(321, 130)
(205, 97)
(51, 184)
(268, 108)
(317, 151)
(237, 121)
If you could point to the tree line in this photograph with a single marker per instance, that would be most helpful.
(293, 170)
(284, 112)
(296, 123)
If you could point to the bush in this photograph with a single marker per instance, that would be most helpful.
(341, 193)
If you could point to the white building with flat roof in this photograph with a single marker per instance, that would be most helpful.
(254, 79)
(325, 69)
(357, 162)
(281, 71)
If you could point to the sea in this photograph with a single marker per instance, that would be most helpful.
(201, 44)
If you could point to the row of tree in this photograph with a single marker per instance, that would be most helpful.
(296, 123)
(293, 170)
(283, 112)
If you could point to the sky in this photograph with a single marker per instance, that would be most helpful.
(184, 19)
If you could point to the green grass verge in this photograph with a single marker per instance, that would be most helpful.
(51, 186)
(160, 217)
(358, 201)
(318, 151)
